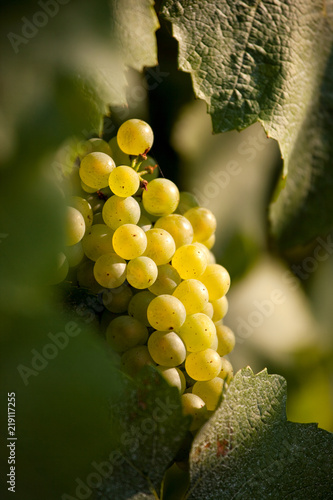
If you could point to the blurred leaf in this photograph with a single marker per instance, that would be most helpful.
(152, 430)
(248, 449)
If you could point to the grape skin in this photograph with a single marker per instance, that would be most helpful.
(135, 137)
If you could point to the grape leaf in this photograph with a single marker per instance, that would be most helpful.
(152, 428)
(249, 450)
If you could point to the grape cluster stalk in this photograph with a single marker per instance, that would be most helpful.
(144, 249)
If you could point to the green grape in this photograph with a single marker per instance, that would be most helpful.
(149, 162)
(118, 211)
(217, 281)
(116, 300)
(135, 137)
(74, 254)
(174, 377)
(203, 222)
(226, 372)
(226, 339)
(144, 223)
(215, 342)
(138, 305)
(211, 258)
(96, 202)
(124, 181)
(60, 270)
(210, 242)
(167, 280)
(129, 241)
(141, 272)
(97, 241)
(166, 313)
(98, 219)
(136, 358)
(110, 270)
(190, 261)
(203, 248)
(208, 310)
(83, 206)
(166, 348)
(160, 246)
(197, 332)
(193, 294)
(161, 197)
(125, 332)
(119, 157)
(178, 226)
(220, 307)
(150, 217)
(87, 188)
(186, 201)
(75, 226)
(209, 391)
(94, 145)
(86, 278)
(196, 408)
(95, 169)
(203, 365)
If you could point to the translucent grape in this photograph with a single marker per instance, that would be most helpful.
(110, 270)
(116, 300)
(95, 169)
(203, 365)
(124, 181)
(203, 222)
(174, 377)
(220, 307)
(60, 271)
(86, 278)
(203, 248)
(178, 226)
(129, 241)
(74, 254)
(161, 197)
(135, 137)
(210, 242)
(166, 348)
(166, 313)
(125, 332)
(197, 332)
(167, 280)
(141, 272)
(217, 281)
(75, 226)
(196, 408)
(136, 358)
(118, 211)
(144, 223)
(209, 391)
(87, 188)
(119, 157)
(226, 339)
(94, 145)
(208, 310)
(193, 294)
(190, 261)
(160, 246)
(138, 305)
(186, 201)
(84, 207)
(97, 241)
(226, 372)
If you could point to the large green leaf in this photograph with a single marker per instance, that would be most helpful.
(249, 450)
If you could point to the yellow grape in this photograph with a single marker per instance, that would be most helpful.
(196, 408)
(97, 241)
(178, 226)
(129, 241)
(203, 222)
(220, 307)
(174, 377)
(226, 372)
(124, 181)
(167, 280)
(135, 137)
(138, 305)
(166, 348)
(75, 226)
(217, 281)
(193, 294)
(190, 261)
(209, 391)
(83, 206)
(166, 313)
(95, 169)
(161, 197)
(160, 246)
(186, 201)
(141, 272)
(118, 211)
(197, 332)
(203, 365)
(226, 339)
(110, 270)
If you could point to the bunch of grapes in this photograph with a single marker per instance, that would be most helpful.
(144, 249)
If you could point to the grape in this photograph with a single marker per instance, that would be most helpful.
(197, 332)
(110, 270)
(203, 248)
(129, 241)
(119, 157)
(215, 342)
(161, 197)
(135, 137)
(220, 307)
(94, 145)
(209, 391)
(74, 254)
(87, 188)
(144, 223)
(166, 313)
(84, 207)
(226, 339)
(174, 377)
(208, 310)
(210, 242)
(193, 294)
(141, 272)
(125, 332)
(178, 226)
(95, 169)
(86, 278)
(190, 261)
(61, 269)
(137, 308)
(95, 202)
(166, 281)
(98, 219)
(75, 226)
(217, 281)
(203, 365)
(118, 211)
(117, 299)
(160, 246)
(226, 372)
(136, 358)
(124, 181)
(97, 241)
(203, 222)
(186, 201)
(166, 348)
(196, 408)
